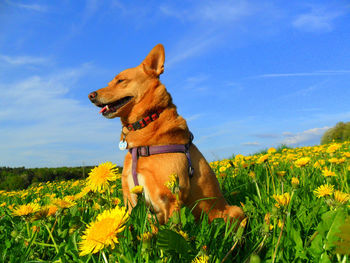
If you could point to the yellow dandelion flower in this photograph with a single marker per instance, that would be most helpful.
(341, 197)
(271, 150)
(295, 181)
(328, 173)
(35, 228)
(252, 174)
(82, 193)
(347, 154)
(28, 209)
(137, 189)
(324, 190)
(154, 229)
(302, 162)
(116, 201)
(201, 259)
(45, 211)
(172, 182)
(282, 200)
(239, 157)
(281, 173)
(103, 232)
(96, 206)
(145, 236)
(183, 234)
(263, 159)
(341, 160)
(279, 224)
(317, 165)
(333, 148)
(52, 210)
(63, 203)
(244, 164)
(222, 169)
(100, 176)
(75, 183)
(333, 160)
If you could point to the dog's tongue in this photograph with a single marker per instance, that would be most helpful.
(105, 108)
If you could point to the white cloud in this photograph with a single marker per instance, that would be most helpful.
(190, 47)
(210, 23)
(23, 60)
(42, 125)
(319, 19)
(251, 144)
(303, 137)
(211, 11)
(193, 117)
(31, 7)
(304, 74)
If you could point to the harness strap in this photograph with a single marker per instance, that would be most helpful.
(144, 151)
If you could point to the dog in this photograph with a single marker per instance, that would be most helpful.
(150, 121)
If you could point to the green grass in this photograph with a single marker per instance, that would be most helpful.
(305, 229)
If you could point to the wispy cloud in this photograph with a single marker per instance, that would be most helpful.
(305, 74)
(42, 125)
(190, 47)
(88, 12)
(251, 144)
(319, 19)
(193, 117)
(209, 24)
(31, 7)
(267, 135)
(304, 136)
(23, 60)
(211, 11)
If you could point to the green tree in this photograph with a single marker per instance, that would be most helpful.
(339, 133)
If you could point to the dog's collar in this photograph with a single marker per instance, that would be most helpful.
(144, 121)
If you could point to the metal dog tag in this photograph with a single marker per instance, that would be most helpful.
(123, 145)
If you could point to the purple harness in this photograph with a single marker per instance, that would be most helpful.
(144, 151)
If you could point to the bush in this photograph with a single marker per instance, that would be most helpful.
(339, 133)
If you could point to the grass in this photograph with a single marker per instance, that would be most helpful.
(287, 220)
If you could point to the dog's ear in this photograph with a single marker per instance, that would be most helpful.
(153, 64)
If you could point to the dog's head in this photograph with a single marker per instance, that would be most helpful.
(129, 88)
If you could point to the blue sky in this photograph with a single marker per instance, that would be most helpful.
(247, 75)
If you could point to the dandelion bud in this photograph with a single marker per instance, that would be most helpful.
(295, 182)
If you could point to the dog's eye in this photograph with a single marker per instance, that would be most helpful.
(120, 80)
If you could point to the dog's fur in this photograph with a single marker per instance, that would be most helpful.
(149, 95)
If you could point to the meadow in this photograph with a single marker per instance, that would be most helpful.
(296, 203)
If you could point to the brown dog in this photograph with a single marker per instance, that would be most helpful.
(137, 94)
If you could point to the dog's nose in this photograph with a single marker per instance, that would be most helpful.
(92, 96)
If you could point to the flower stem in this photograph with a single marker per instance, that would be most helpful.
(230, 251)
(104, 257)
(279, 240)
(257, 189)
(53, 240)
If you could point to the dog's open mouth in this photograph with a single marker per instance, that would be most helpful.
(114, 106)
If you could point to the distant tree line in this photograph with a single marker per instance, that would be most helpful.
(339, 133)
(21, 177)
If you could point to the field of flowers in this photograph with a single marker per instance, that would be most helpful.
(296, 203)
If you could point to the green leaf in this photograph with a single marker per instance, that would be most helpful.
(316, 247)
(300, 252)
(343, 245)
(328, 230)
(324, 258)
(331, 236)
(171, 242)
